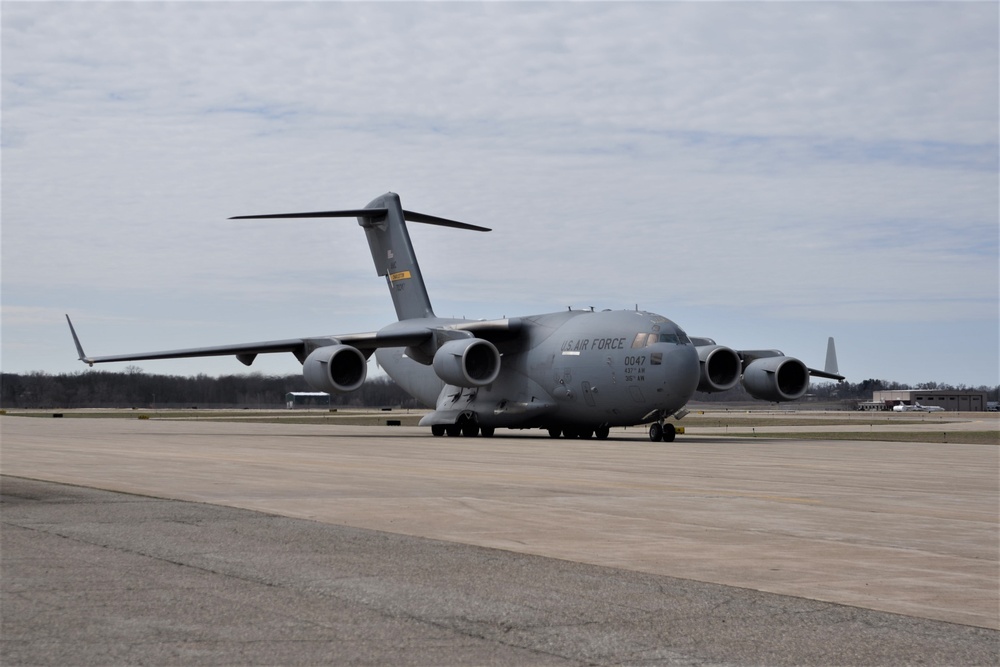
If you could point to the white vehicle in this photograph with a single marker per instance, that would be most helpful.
(916, 407)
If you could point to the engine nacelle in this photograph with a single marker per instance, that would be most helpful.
(335, 369)
(720, 368)
(470, 362)
(776, 378)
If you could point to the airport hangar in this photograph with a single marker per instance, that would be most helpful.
(954, 400)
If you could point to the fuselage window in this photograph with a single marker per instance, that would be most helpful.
(640, 341)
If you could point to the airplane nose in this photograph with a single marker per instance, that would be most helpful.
(680, 373)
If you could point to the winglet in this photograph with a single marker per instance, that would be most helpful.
(79, 348)
(831, 358)
(830, 370)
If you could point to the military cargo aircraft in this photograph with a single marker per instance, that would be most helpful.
(574, 373)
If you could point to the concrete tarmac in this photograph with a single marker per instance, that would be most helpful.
(704, 551)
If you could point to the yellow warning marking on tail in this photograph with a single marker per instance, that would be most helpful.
(402, 275)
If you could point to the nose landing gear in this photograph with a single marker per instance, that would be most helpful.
(661, 431)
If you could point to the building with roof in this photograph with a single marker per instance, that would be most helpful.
(954, 400)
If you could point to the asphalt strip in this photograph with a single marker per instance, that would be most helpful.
(91, 577)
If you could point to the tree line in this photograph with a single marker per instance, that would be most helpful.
(135, 388)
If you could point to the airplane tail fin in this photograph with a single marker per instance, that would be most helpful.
(394, 258)
(384, 222)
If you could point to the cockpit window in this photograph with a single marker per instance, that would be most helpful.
(679, 338)
(647, 339)
(640, 341)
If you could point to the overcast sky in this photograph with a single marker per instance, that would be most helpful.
(766, 174)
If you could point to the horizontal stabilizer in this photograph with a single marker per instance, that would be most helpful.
(355, 213)
(411, 216)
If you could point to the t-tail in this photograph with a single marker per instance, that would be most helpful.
(394, 258)
(384, 222)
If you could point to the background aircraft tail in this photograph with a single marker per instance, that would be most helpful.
(384, 222)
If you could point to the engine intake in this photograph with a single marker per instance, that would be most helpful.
(720, 368)
(776, 378)
(470, 362)
(335, 369)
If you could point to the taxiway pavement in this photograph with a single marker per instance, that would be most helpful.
(749, 540)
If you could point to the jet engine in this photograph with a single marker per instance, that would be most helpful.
(776, 378)
(720, 368)
(469, 362)
(335, 369)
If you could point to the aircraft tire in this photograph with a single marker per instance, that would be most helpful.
(437, 430)
(655, 432)
(470, 430)
(554, 433)
(602, 433)
(587, 434)
(487, 431)
(669, 433)
(453, 430)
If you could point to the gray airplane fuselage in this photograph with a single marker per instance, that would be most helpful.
(588, 369)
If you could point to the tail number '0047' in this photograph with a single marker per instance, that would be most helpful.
(635, 361)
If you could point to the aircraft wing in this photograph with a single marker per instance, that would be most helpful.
(824, 374)
(247, 352)
(497, 332)
(400, 336)
(830, 371)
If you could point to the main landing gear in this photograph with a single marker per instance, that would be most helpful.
(661, 431)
